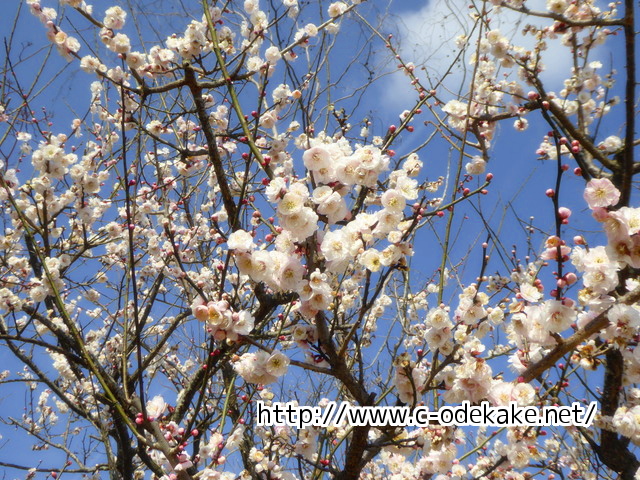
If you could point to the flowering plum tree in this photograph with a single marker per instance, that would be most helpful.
(216, 230)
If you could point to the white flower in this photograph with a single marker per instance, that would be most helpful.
(240, 240)
(611, 144)
(91, 64)
(272, 55)
(334, 246)
(261, 266)
(316, 158)
(625, 421)
(290, 274)
(600, 192)
(275, 188)
(251, 367)
(301, 224)
(277, 364)
(269, 119)
(156, 406)
(408, 187)
(235, 439)
(336, 9)
(114, 18)
(250, 6)
(457, 113)
(556, 6)
(333, 206)
(119, 43)
(412, 165)
(521, 124)
(629, 218)
(311, 29)
(320, 300)
(388, 221)
(476, 166)
(291, 203)
(23, 136)
(332, 28)
(393, 200)
(437, 337)
(371, 260)
(530, 293)
(244, 323)
(557, 317)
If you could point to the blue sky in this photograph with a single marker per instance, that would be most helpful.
(519, 176)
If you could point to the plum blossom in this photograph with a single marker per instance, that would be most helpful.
(611, 144)
(114, 18)
(156, 407)
(600, 192)
(277, 364)
(336, 9)
(476, 166)
(241, 241)
(261, 367)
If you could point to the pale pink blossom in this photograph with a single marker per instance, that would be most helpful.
(600, 192)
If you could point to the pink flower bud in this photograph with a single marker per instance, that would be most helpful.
(600, 214)
(564, 213)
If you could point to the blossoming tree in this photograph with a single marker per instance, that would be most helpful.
(216, 230)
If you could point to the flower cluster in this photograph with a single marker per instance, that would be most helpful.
(221, 321)
(262, 367)
(197, 232)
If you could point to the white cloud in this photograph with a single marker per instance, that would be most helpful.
(428, 38)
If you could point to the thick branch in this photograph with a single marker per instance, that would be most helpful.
(591, 328)
(212, 145)
(629, 103)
